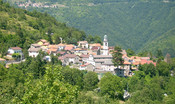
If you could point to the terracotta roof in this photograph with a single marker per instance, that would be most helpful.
(77, 49)
(147, 62)
(53, 46)
(85, 64)
(137, 60)
(95, 44)
(34, 49)
(1, 59)
(126, 63)
(61, 58)
(70, 55)
(145, 58)
(61, 44)
(69, 47)
(61, 52)
(35, 45)
(83, 42)
(43, 40)
(52, 50)
(84, 56)
(94, 48)
(136, 63)
(45, 44)
(16, 48)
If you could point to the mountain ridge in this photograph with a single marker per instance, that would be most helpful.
(130, 24)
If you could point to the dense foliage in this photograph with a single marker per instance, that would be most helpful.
(39, 81)
(136, 24)
(21, 28)
(46, 82)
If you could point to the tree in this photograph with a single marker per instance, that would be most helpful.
(90, 81)
(159, 54)
(73, 76)
(97, 39)
(16, 56)
(51, 89)
(130, 52)
(148, 95)
(163, 69)
(117, 56)
(90, 38)
(148, 69)
(111, 85)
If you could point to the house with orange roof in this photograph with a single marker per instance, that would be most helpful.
(83, 44)
(52, 51)
(84, 58)
(61, 46)
(69, 47)
(43, 44)
(147, 62)
(34, 52)
(95, 45)
(13, 50)
(87, 66)
(53, 46)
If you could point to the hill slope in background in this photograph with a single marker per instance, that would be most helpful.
(131, 24)
(21, 28)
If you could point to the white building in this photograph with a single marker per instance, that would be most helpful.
(13, 50)
(108, 66)
(99, 61)
(33, 52)
(83, 44)
(70, 59)
(105, 46)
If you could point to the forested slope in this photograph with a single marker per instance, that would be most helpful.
(21, 28)
(130, 24)
(166, 42)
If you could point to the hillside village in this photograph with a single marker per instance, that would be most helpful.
(91, 57)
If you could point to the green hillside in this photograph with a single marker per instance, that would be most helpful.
(128, 23)
(166, 42)
(21, 28)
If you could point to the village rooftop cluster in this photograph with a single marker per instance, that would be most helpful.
(91, 57)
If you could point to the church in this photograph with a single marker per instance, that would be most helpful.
(102, 62)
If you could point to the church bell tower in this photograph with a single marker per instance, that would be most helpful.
(105, 46)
